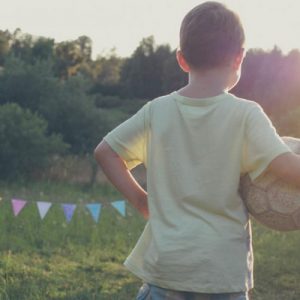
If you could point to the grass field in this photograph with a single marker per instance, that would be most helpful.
(52, 259)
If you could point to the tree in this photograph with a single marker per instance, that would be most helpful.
(107, 74)
(4, 45)
(21, 45)
(71, 55)
(43, 49)
(29, 48)
(108, 69)
(142, 73)
(173, 77)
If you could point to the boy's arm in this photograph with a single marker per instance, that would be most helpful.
(116, 171)
(287, 167)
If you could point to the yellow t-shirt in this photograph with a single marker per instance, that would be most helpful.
(198, 237)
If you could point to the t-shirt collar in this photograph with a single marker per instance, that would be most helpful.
(199, 101)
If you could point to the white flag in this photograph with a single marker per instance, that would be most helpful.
(43, 208)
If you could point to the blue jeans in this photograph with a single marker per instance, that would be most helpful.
(152, 292)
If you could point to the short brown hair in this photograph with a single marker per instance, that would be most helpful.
(210, 36)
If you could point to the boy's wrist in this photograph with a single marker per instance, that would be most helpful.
(140, 202)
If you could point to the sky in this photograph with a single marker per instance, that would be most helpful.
(122, 24)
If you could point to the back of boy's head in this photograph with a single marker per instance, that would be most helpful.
(211, 36)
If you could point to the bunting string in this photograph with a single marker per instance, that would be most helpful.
(68, 208)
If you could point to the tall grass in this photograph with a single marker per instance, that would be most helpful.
(52, 259)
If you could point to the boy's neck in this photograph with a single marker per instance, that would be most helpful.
(207, 84)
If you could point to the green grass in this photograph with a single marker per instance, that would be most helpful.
(277, 264)
(52, 259)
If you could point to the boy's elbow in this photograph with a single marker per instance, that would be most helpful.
(106, 156)
(101, 151)
(287, 167)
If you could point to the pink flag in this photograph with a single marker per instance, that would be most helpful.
(18, 205)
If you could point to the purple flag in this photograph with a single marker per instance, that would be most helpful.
(68, 211)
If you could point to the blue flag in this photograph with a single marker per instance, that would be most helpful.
(120, 207)
(95, 210)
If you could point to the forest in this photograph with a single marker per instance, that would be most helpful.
(57, 100)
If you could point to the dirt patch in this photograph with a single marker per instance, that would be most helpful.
(76, 169)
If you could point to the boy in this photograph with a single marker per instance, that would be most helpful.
(195, 144)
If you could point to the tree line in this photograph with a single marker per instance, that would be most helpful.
(55, 99)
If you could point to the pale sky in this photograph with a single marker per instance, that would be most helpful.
(123, 23)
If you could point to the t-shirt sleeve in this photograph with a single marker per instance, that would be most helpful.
(129, 139)
(262, 143)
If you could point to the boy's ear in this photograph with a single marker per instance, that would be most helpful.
(181, 61)
(239, 59)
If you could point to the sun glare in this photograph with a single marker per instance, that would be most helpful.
(269, 23)
(123, 25)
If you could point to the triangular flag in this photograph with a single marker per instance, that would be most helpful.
(94, 210)
(68, 210)
(43, 208)
(18, 205)
(119, 206)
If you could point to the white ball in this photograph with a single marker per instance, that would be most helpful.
(270, 200)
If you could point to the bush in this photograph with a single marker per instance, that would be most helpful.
(25, 145)
(75, 116)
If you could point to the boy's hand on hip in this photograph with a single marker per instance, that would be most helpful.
(116, 171)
